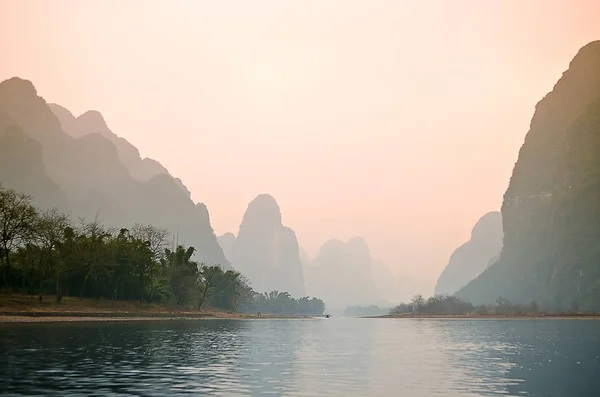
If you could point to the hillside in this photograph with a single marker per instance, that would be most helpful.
(551, 209)
(93, 173)
(474, 256)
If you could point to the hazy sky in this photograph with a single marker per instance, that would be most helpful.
(399, 121)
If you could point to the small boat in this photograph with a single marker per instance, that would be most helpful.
(327, 316)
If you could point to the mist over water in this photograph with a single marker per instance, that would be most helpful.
(336, 357)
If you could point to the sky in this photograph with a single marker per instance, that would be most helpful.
(399, 121)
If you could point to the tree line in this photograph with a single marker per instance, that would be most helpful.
(451, 305)
(276, 302)
(44, 253)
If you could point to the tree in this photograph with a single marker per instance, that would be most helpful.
(68, 261)
(228, 290)
(418, 302)
(49, 234)
(182, 272)
(46, 253)
(92, 247)
(17, 218)
(206, 282)
(156, 238)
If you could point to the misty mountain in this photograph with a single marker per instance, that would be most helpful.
(92, 122)
(265, 251)
(227, 241)
(22, 166)
(341, 274)
(385, 283)
(474, 256)
(551, 209)
(90, 172)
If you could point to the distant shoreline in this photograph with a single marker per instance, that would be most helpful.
(538, 316)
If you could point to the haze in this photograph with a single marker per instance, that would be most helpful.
(398, 121)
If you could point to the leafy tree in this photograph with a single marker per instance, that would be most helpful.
(92, 249)
(51, 255)
(182, 272)
(206, 282)
(282, 303)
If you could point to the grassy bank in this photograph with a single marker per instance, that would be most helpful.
(21, 308)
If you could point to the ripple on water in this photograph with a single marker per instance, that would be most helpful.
(337, 357)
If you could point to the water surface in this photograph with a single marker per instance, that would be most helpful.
(319, 357)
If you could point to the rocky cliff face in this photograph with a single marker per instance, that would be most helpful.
(551, 211)
(341, 274)
(472, 258)
(267, 252)
(84, 174)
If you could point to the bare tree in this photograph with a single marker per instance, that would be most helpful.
(17, 217)
(49, 233)
(418, 302)
(94, 235)
(157, 240)
(156, 237)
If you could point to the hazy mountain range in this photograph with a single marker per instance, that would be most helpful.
(343, 274)
(543, 249)
(79, 166)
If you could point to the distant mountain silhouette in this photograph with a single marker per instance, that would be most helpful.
(22, 166)
(304, 259)
(384, 281)
(551, 209)
(473, 257)
(341, 274)
(91, 172)
(266, 252)
(92, 122)
(227, 242)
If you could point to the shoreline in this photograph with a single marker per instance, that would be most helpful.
(540, 316)
(119, 317)
(18, 308)
(47, 317)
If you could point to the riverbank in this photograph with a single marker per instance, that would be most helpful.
(25, 308)
(565, 316)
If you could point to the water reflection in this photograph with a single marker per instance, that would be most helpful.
(336, 357)
(550, 358)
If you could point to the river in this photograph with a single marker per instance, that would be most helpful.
(309, 357)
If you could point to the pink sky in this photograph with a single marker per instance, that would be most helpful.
(399, 121)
